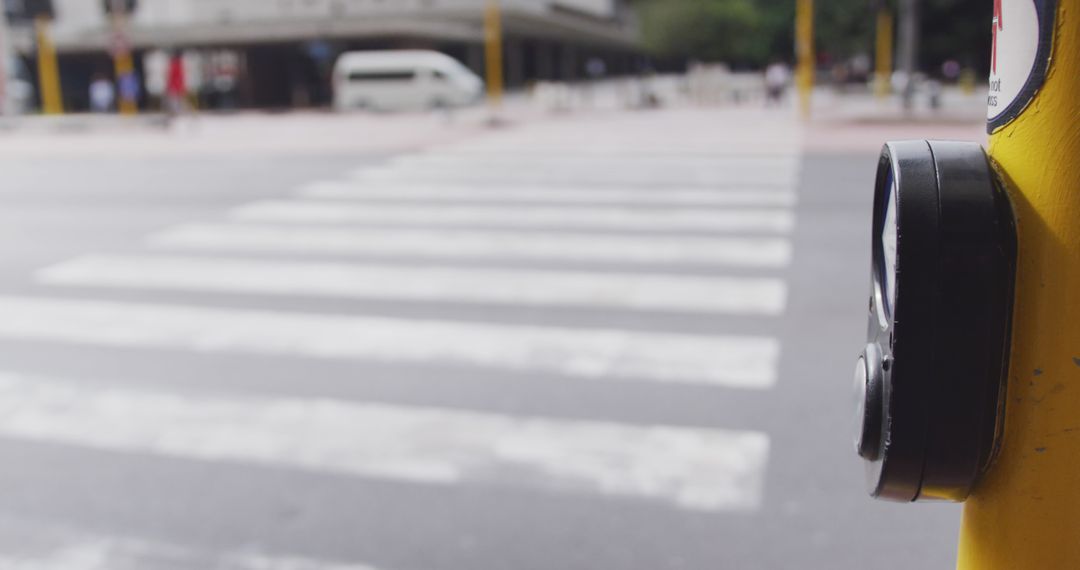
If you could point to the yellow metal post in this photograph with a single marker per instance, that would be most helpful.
(48, 70)
(1025, 515)
(125, 67)
(804, 48)
(493, 43)
(123, 63)
(883, 67)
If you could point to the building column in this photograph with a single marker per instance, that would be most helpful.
(515, 63)
(569, 65)
(474, 58)
(545, 61)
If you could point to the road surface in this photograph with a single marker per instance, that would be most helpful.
(620, 341)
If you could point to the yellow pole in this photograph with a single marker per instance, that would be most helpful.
(125, 67)
(883, 67)
(804, 49)
(1025, 515)
(48, 71)
(123, 63)
(493, 42)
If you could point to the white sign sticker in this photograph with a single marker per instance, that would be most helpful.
(1021, 30)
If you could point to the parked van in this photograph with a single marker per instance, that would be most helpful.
(403, 80)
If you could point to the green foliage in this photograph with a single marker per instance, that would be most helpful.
(957, 29)
(712, 30)
(752, 32)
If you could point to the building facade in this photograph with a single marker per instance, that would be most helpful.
(286, 47)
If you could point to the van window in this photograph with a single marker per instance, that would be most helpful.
(382, 75)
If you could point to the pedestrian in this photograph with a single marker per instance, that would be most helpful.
(951, 70)
(176, 86)
(595, 70)
(156, 72)
(777, 79)
(102, 94)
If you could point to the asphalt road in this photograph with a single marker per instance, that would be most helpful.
(621, 342)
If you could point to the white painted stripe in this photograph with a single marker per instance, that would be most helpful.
(624, 291)
(766, 252)
(52, 547)
(660, 196)
(699, 469)
(480, 172)
(740, 362)
(577, 160)
(608, 218)
(584, 163)
(780, 145)
(709, 166)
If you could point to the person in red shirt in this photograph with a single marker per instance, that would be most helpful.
(176, 85)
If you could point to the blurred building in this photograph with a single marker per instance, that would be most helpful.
(282, 50)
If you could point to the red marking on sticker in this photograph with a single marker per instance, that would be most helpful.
(999, 25)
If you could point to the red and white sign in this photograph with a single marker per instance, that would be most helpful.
(1017, 39)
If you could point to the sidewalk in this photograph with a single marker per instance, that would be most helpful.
(80, 123)
(840, 124)
(858, 123)
(242, 134)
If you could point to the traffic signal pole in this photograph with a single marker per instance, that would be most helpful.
(493, 54)
(1025, 514)
(804, 52)
(884, 53)
(48, 69)
(123, 62)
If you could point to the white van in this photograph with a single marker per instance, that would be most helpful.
(403, 80)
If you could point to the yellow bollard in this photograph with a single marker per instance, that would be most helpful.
(804, 51)
(493, 43)
(48, 70)
(1025, 514)
(884, 52)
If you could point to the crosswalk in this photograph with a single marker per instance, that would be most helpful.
(57, 547)
(485, 245)
(561, 219)
(600, 218)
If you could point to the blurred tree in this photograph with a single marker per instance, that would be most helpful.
(956, 29)
(749, 33)
(711, 30)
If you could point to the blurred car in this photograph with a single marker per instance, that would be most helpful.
(403, 80)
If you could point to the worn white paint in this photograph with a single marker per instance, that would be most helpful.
(623, 291)
(764, 252)
(578, 161)
(593, 218)
(700, 469)
(734, 361)
(340, 190)
(36, 546)
(557, 174)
